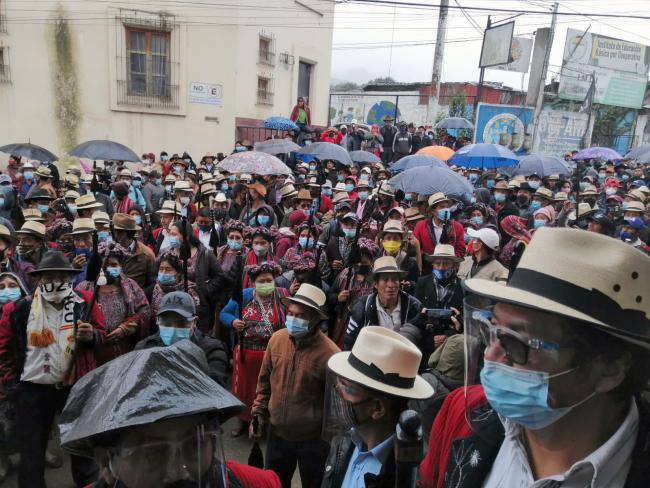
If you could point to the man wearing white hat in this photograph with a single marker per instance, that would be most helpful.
(562, 352)
(291, 390)
(374, 381)
(483, 263)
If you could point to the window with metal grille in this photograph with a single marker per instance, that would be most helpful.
(264, 90)
(267, 49)
(148, 62)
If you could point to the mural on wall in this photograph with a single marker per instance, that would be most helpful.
(508, 125)
(380, 110)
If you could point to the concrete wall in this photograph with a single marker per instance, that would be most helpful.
(65, 64)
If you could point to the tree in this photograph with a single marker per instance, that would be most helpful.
(610, 123)
(458, 107)
(345, 86)
(386, 80)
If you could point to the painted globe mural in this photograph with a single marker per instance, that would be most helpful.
(380, 110)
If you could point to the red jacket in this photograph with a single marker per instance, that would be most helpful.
(13, 343)
(456, 237)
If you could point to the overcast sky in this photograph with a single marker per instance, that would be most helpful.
(363, 35)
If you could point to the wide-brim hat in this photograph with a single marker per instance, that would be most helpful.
(309, 296)
(101, 218)
(39, 194)
(169, 207)
(259, 188)
(392, 227)
(544, 193)
(388, 118)
(634, 207)
(122, 221)
(82, 226)
(437, 198)
(387, 265)
(443, 251)
(6, 234)
(561, 197)
(43, 172)
(412, 214)
(385, 361)
(33, 214)
(612, 295)
(32, 228)
(288, 191)
(583, 210)
(87, 202)
(304, 195)
(54, 261)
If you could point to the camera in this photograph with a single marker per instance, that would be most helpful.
(439, 313)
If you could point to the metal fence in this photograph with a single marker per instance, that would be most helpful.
(167, 97)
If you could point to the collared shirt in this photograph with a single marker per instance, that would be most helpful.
(437, 230)
(361, 205)
(606, 467)
(392, 320)
(204, 237)
(364, 461)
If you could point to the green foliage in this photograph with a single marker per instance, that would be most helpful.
(345, 86)
(458, 107)
(386, 80)
(608, 126)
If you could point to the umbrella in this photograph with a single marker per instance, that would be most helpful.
(441, 152)
(364, 157)
(596, 152)
(429, 180)
(277, 146)
(541, 165)
(454, 123)
(279, 123)
(327, 150)
(635, 153)
(104, 151)
(484, 156)
(254, 162)
(416, 161)
(29, 151)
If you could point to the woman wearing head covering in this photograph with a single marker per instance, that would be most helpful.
(261, 251)
(306, 243)
(124, 304)
(515, 227)
(544, 217)
(227, 254)
(262, 313)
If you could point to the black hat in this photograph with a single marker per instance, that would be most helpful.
(39, 194)
(54, 261)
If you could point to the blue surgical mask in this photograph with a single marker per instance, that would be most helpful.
(327, 192)
(339, 177)
(174, 242)
(490, 183)
(170, 335)
(158, 181)
(473, 177)
(444, 214)
(312, 167)
(166, 279)
(10, 295)
(625, 177)
(634, 221)
(72, 207)
(176, 170)
(499, 197)
(625, 205)
(138, 220)
(535, 205)
(443, 274)
(408, 197)
(224, 187)
(114, 271)
(103, 235)
(263, 219)
(29, 175)
(583, 185)
(467, 238)
(164, 158)
(240, 149)
(234, 245)
(537, 223)
(296, 327)
(363, 195)
(302, 241)
(43, 208)
(602, 176)
(521, 395)
(260, 249)
(349, 187)
(534, 184)
(232, 178)
(477, 221)
(349, 232)
(137, 183)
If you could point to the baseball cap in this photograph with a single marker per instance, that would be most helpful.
(179, 302)
(487, 236)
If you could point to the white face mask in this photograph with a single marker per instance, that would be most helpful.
(56, 291)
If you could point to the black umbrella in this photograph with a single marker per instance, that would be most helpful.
(454, 123)
(29, 151)
(104, 151)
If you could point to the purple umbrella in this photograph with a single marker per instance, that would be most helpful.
(596, 152)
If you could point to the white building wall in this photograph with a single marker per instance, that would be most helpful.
(216, 45)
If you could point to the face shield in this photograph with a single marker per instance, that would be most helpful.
(173, 454)
(526, 365)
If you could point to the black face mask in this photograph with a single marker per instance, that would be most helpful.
(364, 270)
(522, 199)
(590, 201)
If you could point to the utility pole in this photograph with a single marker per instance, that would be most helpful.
(438, 55)
(481, 78)
(547, 56)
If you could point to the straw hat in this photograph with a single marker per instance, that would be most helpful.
(259, 188)
(589, 191)
(288, 191)
(6, 234)
(170, 179)
(208, 189)
(313, 182)
(561, 197)
(309, 296)
(392, 227)
(169, 207)
(613, 296)
(122, 221)
(32, 228)
(87, 202)
(385, 190)
(304, 195)
(385, 361)
(412, 214)
(44, 172)
(71, 194)
(544, 193)
(33, 214)
(385, 265)
(101, 218)
(341, 197)
(182, 185)
(443, 251)
(634, 207)
(583, 210)
(82, 226)
(126, 172)
(636, 195)
(221, 198)
(437, 198)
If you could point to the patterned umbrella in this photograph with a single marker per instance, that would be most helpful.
(29, 151)
(596, 152)
(454, 123)
(104, 151)
(484, 156)
(416, 161)
(441, 152)
(277, 146)
(429, 180)
(364, 157)
(328, 151)
(280, 123)
(254, 162)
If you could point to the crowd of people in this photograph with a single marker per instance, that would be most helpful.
(326, 302)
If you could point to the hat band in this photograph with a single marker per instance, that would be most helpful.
(373, 372)
(593, 303)
(387, 269)
(308, 301)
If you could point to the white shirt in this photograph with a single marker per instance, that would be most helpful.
(392, 320)
(606, 467)
(204, 237)
(437, 230)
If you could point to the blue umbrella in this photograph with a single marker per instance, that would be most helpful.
(416, 161)
(280, 123)
(327, 150)
(104, 151)
(364, 157)
(429, 180)
(541, 165)
(484, 156)
(454, 123)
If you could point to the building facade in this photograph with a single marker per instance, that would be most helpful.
(158, 75)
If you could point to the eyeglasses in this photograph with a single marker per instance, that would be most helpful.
(515, 346)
